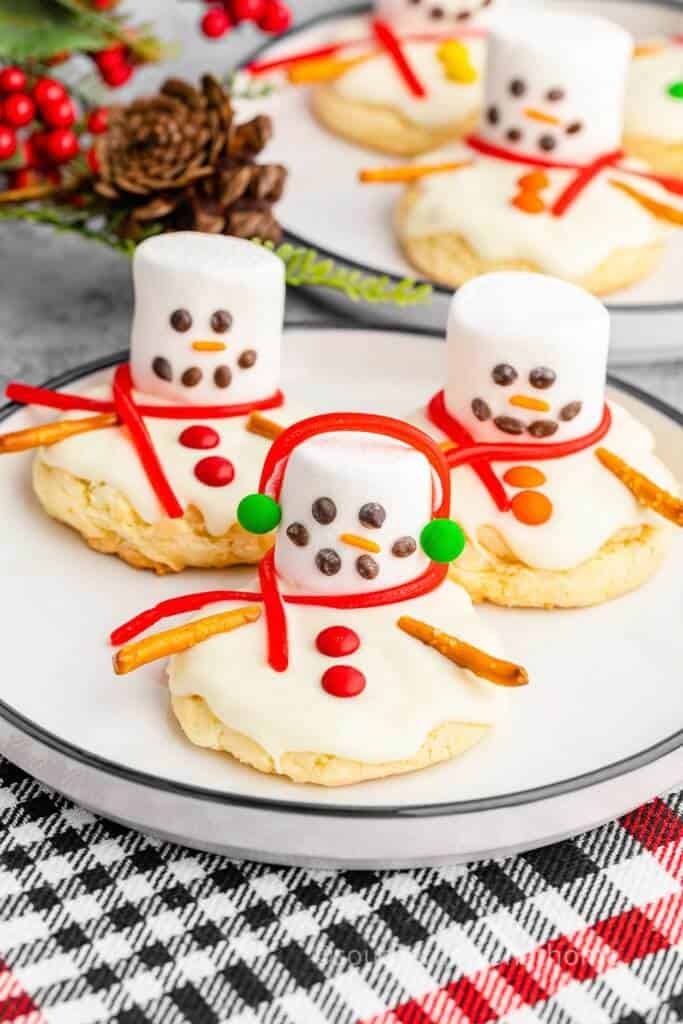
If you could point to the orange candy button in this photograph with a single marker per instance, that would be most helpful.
(532, 508)
(529, 202)
(534, 181)
(524, 476)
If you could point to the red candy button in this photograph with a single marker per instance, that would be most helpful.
(199, 437)
(343, 681)
(215, 471)
(337, 641)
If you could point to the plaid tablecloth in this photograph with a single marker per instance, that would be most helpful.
(98, 923)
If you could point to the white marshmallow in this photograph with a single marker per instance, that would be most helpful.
(570, 68)
(201, 274)
(353, 470)
(526, 322)
(407, 16)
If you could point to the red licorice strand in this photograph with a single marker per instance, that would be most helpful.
(506, 451)
(175, 606)
(276, 620)
(674, 185)
(582, 180)
(486, 148)
(142, 442)
(453, 429)
(385, 35)
(28, 395)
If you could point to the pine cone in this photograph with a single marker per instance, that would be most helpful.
(180, 159)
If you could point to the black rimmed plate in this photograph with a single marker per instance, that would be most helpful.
(598, 731)
(326, 208)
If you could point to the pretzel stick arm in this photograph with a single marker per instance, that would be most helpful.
(663, 211)
(643, 490)
(53, 433)
(182, 638)
(264, 427)
(482, 664)
(407, 172)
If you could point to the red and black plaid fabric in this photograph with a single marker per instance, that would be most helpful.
(101, 924)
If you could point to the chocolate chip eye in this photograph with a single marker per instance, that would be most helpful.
(517, 87)
(493, 115)
(574, 127)
(513, 135)
(555, 95)
(504, 374)
(221, 321)
(367, 567)
(298, 534)
(372, 515)
(181, 320)
(247, 359)
(547, 142)
(328, 561)
(571, 411)
(481, 409)
(463, 15)
(437, 13)
(324, 511)
(543, 428)
(162, 368)
(404, 546)
(542, 377)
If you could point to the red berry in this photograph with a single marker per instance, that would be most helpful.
(21, 178)
(61, 145)
(216, 23)
(98, 121)
(117, 75)
(93, 160)
(8, 142)
(48, 90)
(58, 113)
(12, 80)
(277, 18)
(112, 57)
(18, 109)
(103, 5)
(248, 10)
(54, 176)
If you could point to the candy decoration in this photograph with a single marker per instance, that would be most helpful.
(384, 34)
(343, 681)
(337, 641)
(457, 65)
(258, 513)
(18, 110)
(199, 437)
(442, 540)
(531, 508)
(524, 476)
(528, 199)
(675, 90)
(481, 663)
(644, 490)
(215, 471)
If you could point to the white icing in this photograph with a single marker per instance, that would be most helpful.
(201, 274)
(650, 110)
(410, 688)
(353, 470)
(377, 82)
(526, 321)
(560, 65)
(435, 15)
(475, 202)
(589, 504)
(107, 456)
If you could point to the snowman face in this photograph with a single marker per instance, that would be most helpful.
(555, 85)
(527, 358)
(353, 508)
(208, 320)
(431, 15)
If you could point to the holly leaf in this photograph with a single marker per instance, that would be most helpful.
(38, 29)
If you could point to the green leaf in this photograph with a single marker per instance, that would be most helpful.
(38, 29)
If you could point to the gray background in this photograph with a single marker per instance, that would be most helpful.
(65, 301)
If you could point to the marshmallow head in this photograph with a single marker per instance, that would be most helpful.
(527, 358)
(353, 508)
(207, 328)
(554, 84)
(406, 16)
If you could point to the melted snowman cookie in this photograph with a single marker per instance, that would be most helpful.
(653, 128)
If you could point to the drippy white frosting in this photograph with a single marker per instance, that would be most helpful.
(377, 82)
(476, 203)
(410, 688)
(650, 110)
(589, 503)
(107, 456)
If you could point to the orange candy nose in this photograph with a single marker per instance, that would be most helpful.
(531, 508)
(524, 476)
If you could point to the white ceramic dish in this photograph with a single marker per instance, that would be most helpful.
(598, 730)
(326, 208)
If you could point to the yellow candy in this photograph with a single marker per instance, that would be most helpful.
(457, 65)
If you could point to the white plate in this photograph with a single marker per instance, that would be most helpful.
(326, 208)
(597, 731)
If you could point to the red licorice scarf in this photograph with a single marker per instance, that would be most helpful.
(131, 414)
